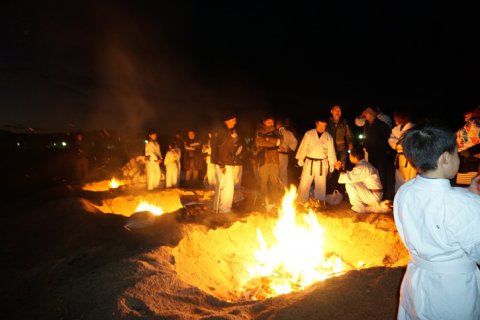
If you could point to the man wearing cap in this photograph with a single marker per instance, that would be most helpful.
(316, 154)
(225, 144)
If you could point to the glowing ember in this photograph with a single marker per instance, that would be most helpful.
(145, 206)
(294, 259)
(113, 184)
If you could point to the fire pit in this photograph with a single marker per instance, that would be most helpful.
(265, 256)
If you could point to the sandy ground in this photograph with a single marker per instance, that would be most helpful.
(67, 255)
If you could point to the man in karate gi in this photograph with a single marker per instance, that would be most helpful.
(316, 154)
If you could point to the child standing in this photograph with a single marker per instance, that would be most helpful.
(153, 158)
(439, 224)
(171, 168)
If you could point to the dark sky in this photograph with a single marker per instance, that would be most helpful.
(130, 65)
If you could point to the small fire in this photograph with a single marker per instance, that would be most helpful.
(145, 206)
(295, 259)
(113, 184)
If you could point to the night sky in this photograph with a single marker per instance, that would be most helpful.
(172, 65)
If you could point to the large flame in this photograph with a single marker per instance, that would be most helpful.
(145, 206)
(295, 258)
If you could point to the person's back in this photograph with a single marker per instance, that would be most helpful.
(439, 224)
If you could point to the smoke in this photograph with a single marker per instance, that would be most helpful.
(144, 82)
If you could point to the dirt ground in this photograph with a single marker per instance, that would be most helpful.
(64, 258)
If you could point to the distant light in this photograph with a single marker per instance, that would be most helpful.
(146, 141)
(64, 144)
(360, 136)
(54, 144)
(18, 144)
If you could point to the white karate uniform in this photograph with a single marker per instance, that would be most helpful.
(440, 226)
(359, 183)
(171, 168)
(405, 170)
(152, 168)
(321, 152)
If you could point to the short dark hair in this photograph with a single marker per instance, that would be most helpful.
(423, 145)
(322, 117)
(357, 152)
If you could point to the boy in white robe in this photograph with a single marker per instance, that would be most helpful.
(440, 226)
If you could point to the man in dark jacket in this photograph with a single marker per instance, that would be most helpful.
(225, 150)
(379, 153)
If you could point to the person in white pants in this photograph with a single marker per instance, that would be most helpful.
(224, 145)
(171, 167)
(153, 158)
(316, 154)
(362, 184)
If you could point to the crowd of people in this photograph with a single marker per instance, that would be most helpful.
(327, 158)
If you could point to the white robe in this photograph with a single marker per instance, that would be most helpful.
(359, 183)
(171, 168)
(314, 147)
(440, 226)
(152, 167)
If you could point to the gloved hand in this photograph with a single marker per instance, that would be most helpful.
(300, 163)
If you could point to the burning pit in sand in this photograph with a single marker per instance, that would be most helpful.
(262, 256)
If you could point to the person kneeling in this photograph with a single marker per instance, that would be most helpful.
(362, 184)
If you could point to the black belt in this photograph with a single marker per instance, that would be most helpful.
(311, 164)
